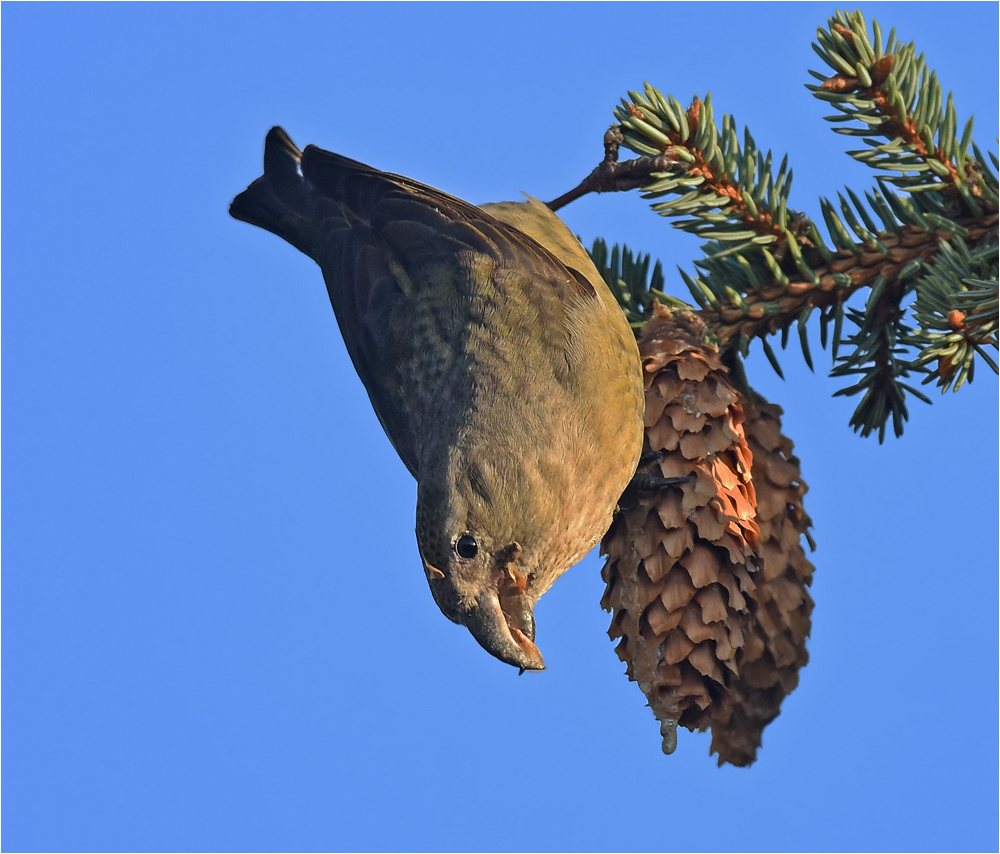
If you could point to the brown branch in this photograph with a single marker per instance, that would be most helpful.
(864, 268)
(610, 176)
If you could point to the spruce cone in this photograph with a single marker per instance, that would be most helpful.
(711, 641)
(775, 649)
(681, 557)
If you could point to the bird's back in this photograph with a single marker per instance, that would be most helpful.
(451, 316)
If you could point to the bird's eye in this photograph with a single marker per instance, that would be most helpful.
(467, 547)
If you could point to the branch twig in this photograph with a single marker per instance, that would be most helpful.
(610, 176)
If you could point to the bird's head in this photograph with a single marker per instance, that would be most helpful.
(478, 580)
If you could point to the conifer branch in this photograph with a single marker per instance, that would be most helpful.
(928, 228)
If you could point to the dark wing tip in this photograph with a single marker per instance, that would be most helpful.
(281, 155)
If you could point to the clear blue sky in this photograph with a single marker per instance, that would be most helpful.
(216, 631)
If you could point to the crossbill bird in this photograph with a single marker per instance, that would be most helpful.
(497, 361)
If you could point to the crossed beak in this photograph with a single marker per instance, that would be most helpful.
(502, 619)
(504, 625)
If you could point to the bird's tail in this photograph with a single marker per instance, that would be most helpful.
(279, 200)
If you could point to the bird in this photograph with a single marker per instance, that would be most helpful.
(497, 360)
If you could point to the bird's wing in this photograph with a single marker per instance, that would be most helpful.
(410, 271)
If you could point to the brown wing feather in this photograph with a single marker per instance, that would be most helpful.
(408, 268)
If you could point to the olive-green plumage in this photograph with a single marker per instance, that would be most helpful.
(496, 359)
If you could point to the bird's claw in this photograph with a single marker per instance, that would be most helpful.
(649, 482)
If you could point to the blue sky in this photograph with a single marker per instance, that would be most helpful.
(216, 631)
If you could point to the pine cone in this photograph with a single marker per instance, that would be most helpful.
(775, 649)
(681, 557)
